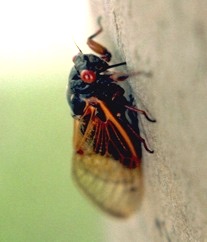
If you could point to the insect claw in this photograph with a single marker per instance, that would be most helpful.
(146, 148)
(150, 120)
(151, 151)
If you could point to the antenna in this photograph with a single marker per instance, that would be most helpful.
(78, 47)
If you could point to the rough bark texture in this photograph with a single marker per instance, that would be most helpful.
(169, 39)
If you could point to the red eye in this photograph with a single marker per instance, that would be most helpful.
(88, 76)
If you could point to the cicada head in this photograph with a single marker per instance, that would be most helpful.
(89, 66)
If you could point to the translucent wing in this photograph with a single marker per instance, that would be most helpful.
(106, 164)
(99, 131)
(113, 187)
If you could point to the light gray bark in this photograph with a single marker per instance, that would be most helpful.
(169, 39)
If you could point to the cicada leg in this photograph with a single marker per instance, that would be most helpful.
(120, 76)
(98, 48)
(135, 109)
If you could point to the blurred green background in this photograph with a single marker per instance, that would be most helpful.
(39, 202)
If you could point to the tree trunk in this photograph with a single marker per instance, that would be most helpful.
(169, 40)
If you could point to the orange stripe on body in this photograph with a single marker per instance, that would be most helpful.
(118, 126)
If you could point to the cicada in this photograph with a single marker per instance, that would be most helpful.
(107, 142)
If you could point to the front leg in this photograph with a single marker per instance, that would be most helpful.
(98, 48)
